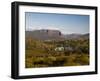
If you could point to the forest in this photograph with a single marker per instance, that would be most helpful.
(54, 53)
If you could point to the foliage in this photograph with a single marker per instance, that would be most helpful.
(41, 53)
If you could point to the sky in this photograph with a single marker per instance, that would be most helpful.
(66, 23)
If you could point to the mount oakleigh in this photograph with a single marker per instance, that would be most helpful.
(52, 48)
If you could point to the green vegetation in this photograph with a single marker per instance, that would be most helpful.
(52, 53)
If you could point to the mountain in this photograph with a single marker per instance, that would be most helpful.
(46, 34)
(76, 36)
(72, 36)
(85, 36)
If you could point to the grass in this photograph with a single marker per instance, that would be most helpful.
(42, 53)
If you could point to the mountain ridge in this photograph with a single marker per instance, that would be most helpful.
(48, 34)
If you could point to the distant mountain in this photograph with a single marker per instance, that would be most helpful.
(76, 36)
(85, 36)
(72, 36)
(46, 34)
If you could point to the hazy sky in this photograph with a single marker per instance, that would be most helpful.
(66, 23)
